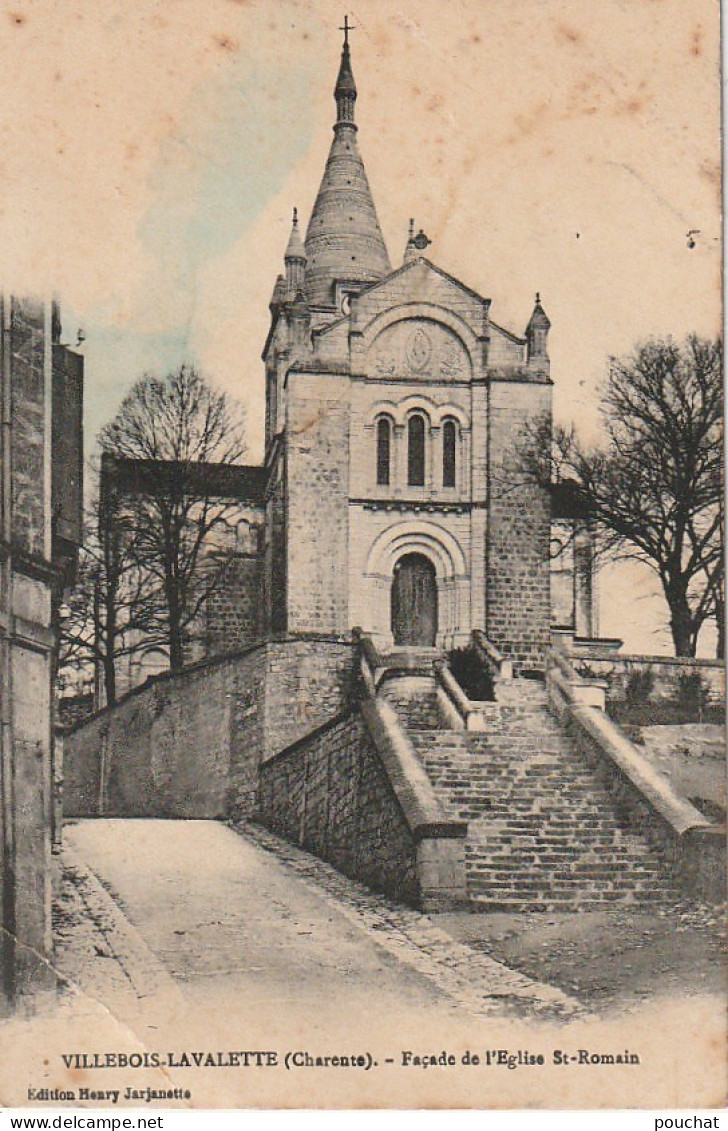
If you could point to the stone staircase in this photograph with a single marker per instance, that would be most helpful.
(543, 831)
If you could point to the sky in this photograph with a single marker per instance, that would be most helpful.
(151, 154)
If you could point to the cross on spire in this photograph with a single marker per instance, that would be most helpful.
(346, 29)
(345, 89)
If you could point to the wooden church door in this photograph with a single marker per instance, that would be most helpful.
(414, 602)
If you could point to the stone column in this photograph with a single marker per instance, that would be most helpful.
(462, 465)
(399, 461)
(433, 450)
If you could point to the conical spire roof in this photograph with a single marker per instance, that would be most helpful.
(539, 319)
(279, 292)
(343, 239)
(295, 243)
(345, 84)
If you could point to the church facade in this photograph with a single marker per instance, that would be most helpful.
(400, 496)
(397, 415)
(400, 415)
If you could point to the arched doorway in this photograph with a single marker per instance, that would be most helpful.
(414, 602)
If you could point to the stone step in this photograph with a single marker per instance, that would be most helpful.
(543, 832)
(576, 905)
(559, 876)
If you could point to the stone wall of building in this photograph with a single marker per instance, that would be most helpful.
(518, 601)
(234, 610)
(190, 746)
(40, 484)
(28, 394)
(422, 283)
(317, 490)
(330, 794)
(28, 873)
(275, 553)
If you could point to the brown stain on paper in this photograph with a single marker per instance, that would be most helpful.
(226, 43)
(567, 34)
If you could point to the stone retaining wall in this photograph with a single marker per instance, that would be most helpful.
(330, 794)
(189, 746)
(652, 679)
(354, 793)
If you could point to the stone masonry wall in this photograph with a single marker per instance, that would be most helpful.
(275, 555)
(27, 410)
(26, 663)
(518, 599)
(330, 794)
(659, 678)
(420, 283)
(317, 486)
(306, 683)
(233, 612)
(163, 751)
(189, 746)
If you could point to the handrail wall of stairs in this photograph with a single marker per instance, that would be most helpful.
(408, 776)
(461, 710)
(440, 839)
(457, 707)
(497, 665)
(370, 662)
(644, 793)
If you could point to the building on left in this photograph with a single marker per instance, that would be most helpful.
(41, 513)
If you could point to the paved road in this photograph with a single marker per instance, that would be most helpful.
(229, 922)
(256, 957)
(232, 942)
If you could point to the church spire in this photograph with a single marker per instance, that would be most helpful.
(537, 333)
(295, 259)
(345, 89)
(295, 243)
(343, 241)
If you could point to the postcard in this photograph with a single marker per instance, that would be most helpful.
(362, 618)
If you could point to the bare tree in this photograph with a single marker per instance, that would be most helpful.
(654, 489)
(109, 612)
(182, 436)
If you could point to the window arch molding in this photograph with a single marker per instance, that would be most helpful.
(414, 403)
(451, 412)
(383, 408)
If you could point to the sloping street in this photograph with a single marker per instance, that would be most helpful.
(227, 918)
(222, 967)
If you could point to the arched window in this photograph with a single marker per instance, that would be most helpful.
(449, 446)
(416, 451)
(384, 451)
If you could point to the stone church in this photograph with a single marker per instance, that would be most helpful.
(397, 497)
(393, 495)
(397, 411)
